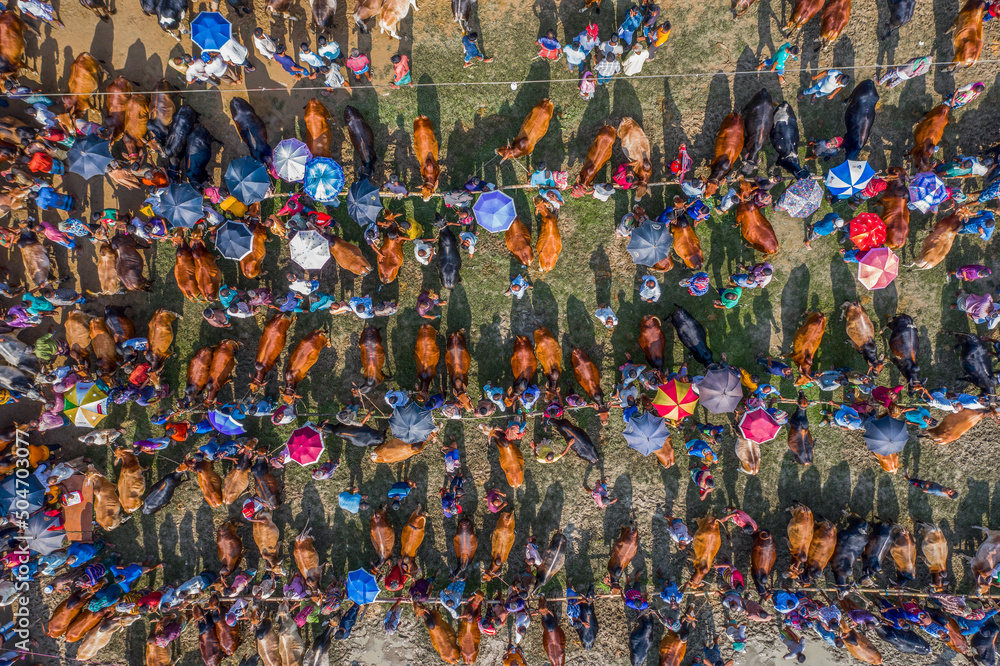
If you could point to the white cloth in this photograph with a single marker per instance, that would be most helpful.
(334, 79)
(234, 53)
(312, 58)
(330, 50)
(634, 62)
(828, 83)
(265, 46)
(196, 72)
(217, 67)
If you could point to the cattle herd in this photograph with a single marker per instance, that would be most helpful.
(86, 366)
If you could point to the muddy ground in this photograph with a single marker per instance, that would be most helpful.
(706, 46)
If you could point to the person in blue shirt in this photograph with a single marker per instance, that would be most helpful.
(472, 52)
(626, 31)
(774, 366)
(399, 491)
(830, 223)
(982, 224)
(700, 448)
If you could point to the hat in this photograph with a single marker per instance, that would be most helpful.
(739, 646)
(592, 30)
(206, 57)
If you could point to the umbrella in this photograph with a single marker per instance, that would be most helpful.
(89, 157)
(848, 178)
(675, 400)
(309, 249)
(289, 160)
(233, 240)
(247, 180)
(364, 202)
(759, 426)
(305, 445)
(720, 390)
(86, 405)
(650, 244)
(646, 433)
(39, 537)
(324, 179)
(362, 588)
(494, 211)
(412, 424)
(225, 423)
(886, 435)
(877, 267)
(21, 495)
(927, 191)
(180, 204)
(801, 199)
(210, 30)
(867, 231)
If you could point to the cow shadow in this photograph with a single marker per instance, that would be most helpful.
(794, 302)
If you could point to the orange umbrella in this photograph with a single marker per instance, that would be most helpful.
(675, 400)
(867, 231)
(877, 268)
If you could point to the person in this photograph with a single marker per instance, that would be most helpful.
(401, 71)
(310, 57)
(264, 44)
(697, 284)
(968, 272)
(712, 656)
(729, 298)
(518, 287)
(649, 289)
(545, 453)
(359, 65)
(635, 60)
(606, 316)
(236, 54)
(910, 69)
(829, 225)
(399, 491)
(427, 301)
(793, 644)
(599, 493)
(776, 63)
(826, 149)
(42, 11)
(626, 31)
(495, 500)
(217, 69)
(588, 38)
(587, 90)
(774, 366)
(328, 49)
(700, 449)
(352, 501)
(657, 37)
(576, 57)
(472, 52)
(607, 68)
(965, 94)
(334, 79)
(828, 83)
(930, 487)
(289, 65)
(702, 478)
(550, 49)
(740, 518)
(611, 47)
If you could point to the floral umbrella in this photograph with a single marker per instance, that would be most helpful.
(675, 400)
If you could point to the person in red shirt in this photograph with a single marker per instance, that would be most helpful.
(360, 65)
(875, 187)
(401, 71)
(41, 162)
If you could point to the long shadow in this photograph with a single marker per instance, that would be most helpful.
(794, 301)
(717, 106)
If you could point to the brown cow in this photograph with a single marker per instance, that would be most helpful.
(673, 647)
(209, 481)
(107, 271)
(364, 10)
(160, 336)
(588, 376)
(12, 45)
(382, 536)
(987, 557)
(549, 244)
(85, 77)
(938, 243)
(762, 557)
(635, 145)
(129, 261)
(934, 549)
(267, 536)
(272, 343)
(443, 637)
(927, 135)
(197, 374)
(206, 271)
(391, 13)
(686, 243)
(78, 336)
(469, 634)
(425, 146)
(652, 341)
(136, 124)
(502, 542)
(184, 268)
(833, 20)
(349, 257)
(372, 359)
(458, 360)
(317, 120)
(802, 13)
(107, 507)
(954, 425)
(427, 354)
(523, 365)
(102, 342)
(549, 355)
(162, 108)
(806, 343)
(967, 39)
(534, 127)
(155, 655)
(229, 547)
(221, 369)
(131, 484)
(861, 648)
(895, 211)
(757, 231)
(115, 99)
(728, 148)
(800, 534)
(390, 254)
(889, 463)
(518, 240)
(597, 156)
(302, 359)
(252, 264)
(622, 551)
(465, 544)
(511, 458)
(704, 549)
(665, 454)
(395, 450)
(64, 614)
(903, 550)
(824, 540)
(411, 537)
(861, 333)
(237, 480)
(553, 636)
(85, 622)
(35, 257)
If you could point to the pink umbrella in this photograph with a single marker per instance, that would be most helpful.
(877, 267)
(759, 426)
(305, 445)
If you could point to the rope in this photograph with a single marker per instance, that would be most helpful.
(445, 84)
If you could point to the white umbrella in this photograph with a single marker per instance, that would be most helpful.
(290, 157)
(309, 250)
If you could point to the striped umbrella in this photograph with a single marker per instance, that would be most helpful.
(85, 405)
(675, 400)
(848, 178)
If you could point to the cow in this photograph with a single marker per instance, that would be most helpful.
(426, 354)
(534, 127)
(171, 15)
(549, 244)
(806, 343)
(637, 151)
(597, 156)
(861, 333)
(728, 147)
(518, 240)
(221, 369)
(364, 10)
(900, 13)
(392, 12)
(461, 10)
(198, 154)
(426, 149)
(895, 208)
(301, 360)
(802, 12)
(12, 45)
(317, 120)
(927, 135)
(251, 129)
(785, 140)
(372, 359)
(323, 12)
(756, 229)
(588, 376)
(938, 243)
(967, 38)
(549, 356)
(833, 20)
(457, 361)
(363, 140)
(85, 77)
(859, 116)
(269, 347)
(758, 119)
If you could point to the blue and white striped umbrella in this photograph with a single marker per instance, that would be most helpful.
(927, 191)
(849, 178)
(324, 180)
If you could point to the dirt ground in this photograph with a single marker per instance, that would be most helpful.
(705, 47)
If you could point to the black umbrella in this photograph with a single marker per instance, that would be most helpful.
(21, 495)
(363, 202)
(720, 390)
(234, 240)
(40, 534)
(89, 157)
(886, 435)
(412, 424)
(650, 244)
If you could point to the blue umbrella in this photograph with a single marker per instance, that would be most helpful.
(494, 211)
(412, 424)
(21, 495)
(324, 180)
(210, 30)
(89, 157)
(247, 180)
(225, 423)
(180, 204)
(362, 588)
(646, 434)
(650, 243)
(927, 191)
(886, 435)
(849, 178)
(364, 202)
(233, 240)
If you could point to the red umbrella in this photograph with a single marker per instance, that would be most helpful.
(867, 231)
(759, 426)
(877, 268)
(305, 445)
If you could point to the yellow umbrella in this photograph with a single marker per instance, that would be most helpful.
(86, 405)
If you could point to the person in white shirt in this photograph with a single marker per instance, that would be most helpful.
(307, 56)
(196, 72)
(236, 54)
(217, 68)
(632, 65)
(611, 46)
(264, 44)
(828, 82)
(327, 49)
